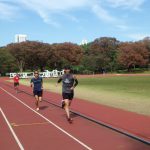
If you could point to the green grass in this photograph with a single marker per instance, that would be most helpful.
(128, 93)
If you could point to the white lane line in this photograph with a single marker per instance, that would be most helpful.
(11, 129)
(59, 128)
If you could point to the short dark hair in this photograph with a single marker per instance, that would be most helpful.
(67, 67)
(36, 72)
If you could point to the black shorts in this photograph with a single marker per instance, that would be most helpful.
(38, 93)
(68, 96)
(16, 84)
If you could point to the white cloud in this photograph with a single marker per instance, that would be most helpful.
(129, 4)
(73, 18)
(103, 14)
(138, 36)
(54, 5)
(44, 8)
(47, 9)
(8, 12)
(47, 19)
(122, 27)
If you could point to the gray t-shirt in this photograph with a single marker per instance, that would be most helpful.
(67, 83)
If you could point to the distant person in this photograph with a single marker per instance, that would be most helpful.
(103, 71)
(69, 82)
(16, 82)
(37, 85)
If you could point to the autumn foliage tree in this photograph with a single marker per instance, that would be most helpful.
(105, 53)
(32, 55)
(29, 55)
(133, 55)
(18, 51)
(38, 55)
(65, 53)
(70, 52)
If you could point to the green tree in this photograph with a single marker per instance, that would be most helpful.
(101, 54)
(7, 61)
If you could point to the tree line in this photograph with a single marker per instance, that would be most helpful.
(102, 54)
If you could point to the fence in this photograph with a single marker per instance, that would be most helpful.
(45, 74)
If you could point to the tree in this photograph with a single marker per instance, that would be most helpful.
(38, 54)
(30, 54)
(146, 42)
(6, 61)
(133, 55)
(65, 53)
(18, 51)
(102, 54)
(86, 48)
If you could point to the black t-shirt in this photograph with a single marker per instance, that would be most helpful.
(37, 83)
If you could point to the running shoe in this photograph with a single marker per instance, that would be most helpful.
(70, 120)
(37, 109)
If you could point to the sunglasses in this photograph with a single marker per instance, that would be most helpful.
(36, 73)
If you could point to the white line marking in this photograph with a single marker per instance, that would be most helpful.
(11, 129)
(59, 128)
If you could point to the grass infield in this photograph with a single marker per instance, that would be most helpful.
(131, 93)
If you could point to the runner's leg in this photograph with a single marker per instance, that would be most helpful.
(37, 102)
(40, 98)
(66, 107)
(17, 88)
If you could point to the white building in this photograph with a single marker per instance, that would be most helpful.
(20, 38)
(83, 42)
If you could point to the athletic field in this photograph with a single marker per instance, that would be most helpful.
(130, 93)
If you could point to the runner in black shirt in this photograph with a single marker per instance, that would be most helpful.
(37, 84)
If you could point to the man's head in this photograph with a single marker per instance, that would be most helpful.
(36, 73)
(67, 69)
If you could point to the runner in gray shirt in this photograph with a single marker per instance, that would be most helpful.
(69, 82)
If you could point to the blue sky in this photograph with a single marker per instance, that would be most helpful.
(56, 21)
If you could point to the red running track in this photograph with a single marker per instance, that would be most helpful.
(35, 130)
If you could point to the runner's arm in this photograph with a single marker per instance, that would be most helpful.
(42, 82)
(31, 83)
(59, 80)
(76, 82)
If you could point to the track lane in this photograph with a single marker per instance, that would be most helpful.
(9, 141)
